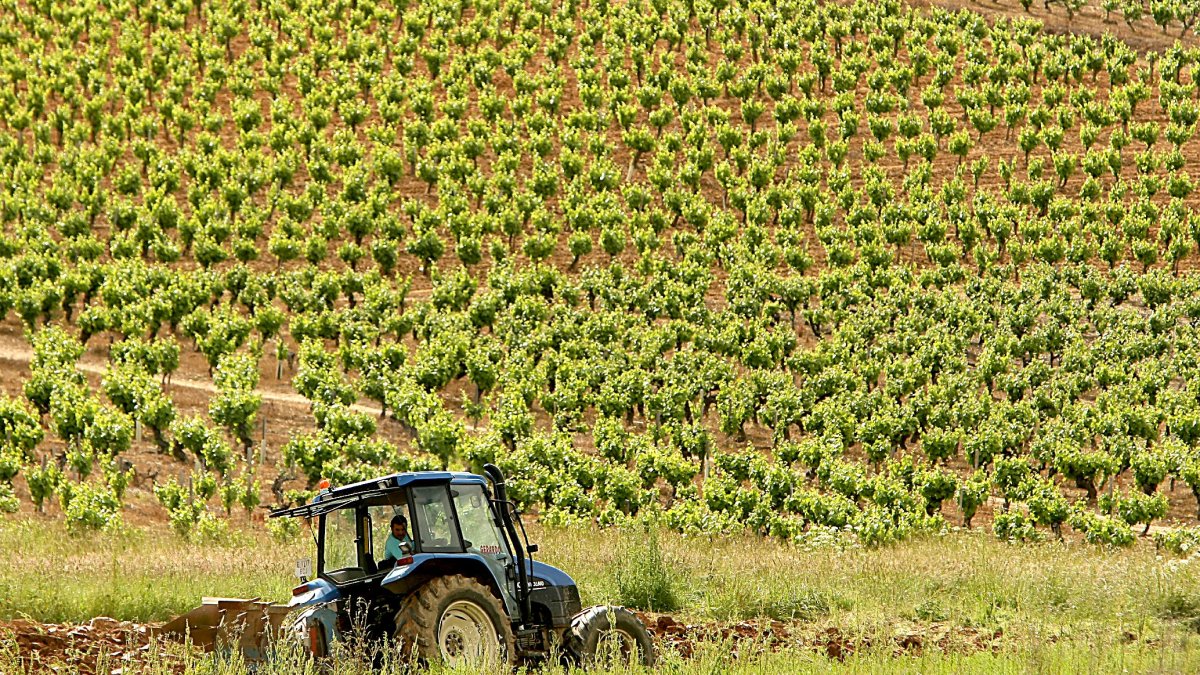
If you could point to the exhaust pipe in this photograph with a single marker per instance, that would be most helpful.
(497, 477)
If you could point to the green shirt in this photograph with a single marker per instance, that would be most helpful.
(392, 548)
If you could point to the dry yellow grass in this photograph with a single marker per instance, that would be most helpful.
(1032, 591)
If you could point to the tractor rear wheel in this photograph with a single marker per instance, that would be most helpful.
(454, 620)
(600, 635)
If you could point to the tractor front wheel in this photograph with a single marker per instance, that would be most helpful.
(600, 635)
(457, 621)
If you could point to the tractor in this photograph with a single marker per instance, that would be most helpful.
(464, 590)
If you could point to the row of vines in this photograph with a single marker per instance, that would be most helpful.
(809, 269)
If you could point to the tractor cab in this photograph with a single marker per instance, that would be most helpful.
(457, 584)
(453, 525)
(464, 560)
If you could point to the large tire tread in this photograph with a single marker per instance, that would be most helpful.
(582, 638)
(419, 613)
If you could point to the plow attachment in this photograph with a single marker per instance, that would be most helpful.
(251, 626)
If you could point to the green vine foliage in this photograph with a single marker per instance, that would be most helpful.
(832, 270)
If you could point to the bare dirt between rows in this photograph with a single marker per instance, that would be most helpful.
(748, 637)
(20, 353)
(109, 646)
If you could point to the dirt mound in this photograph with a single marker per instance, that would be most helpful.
(759, 635)
(105, 646)
(101, 645)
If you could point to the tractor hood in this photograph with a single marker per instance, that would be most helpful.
(542, 575)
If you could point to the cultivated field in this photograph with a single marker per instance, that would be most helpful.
(829, 280)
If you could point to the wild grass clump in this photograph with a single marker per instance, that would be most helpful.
(1182, 608)
(802, 605)
(930, 610)
(642, 575)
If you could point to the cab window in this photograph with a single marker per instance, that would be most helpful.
(381, 526)
(436, 529)
(341, 541)
(479, 529)
(355, 536)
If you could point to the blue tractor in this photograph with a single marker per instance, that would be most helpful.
(464, 589)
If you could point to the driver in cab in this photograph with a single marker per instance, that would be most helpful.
(398, 544)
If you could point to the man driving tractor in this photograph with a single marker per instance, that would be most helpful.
(397, 539)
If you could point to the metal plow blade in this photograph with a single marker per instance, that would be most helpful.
(251, 626)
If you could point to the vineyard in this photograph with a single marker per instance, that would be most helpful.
(819, 271)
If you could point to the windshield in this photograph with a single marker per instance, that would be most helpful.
(435, 520)
(475, 517)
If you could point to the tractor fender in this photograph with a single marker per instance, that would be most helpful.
(403, 579)
(314, 629)
(317, 592)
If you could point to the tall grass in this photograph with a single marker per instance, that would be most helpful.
(1030, 594)
(642, 575)
(137, 574)
(713, 658)
(962, 578)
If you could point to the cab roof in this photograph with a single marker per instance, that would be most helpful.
(400, 480)
(332, 499)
